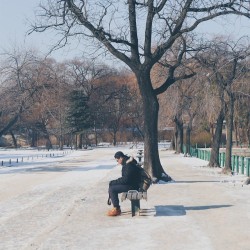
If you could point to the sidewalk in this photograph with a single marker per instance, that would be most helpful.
(201, 210)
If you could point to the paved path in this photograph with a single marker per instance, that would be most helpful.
(64, 207)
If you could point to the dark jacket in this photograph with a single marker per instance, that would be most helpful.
(130, 174)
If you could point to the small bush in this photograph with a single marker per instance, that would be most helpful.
(201, 139)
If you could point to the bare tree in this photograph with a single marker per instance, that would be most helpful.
(110, 104)
(83, 76)
(225, 60)
(242, 110)
(178, 120)
(192, 102)
(19, 86)
(138, 33)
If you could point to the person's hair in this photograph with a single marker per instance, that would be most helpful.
(118, 155)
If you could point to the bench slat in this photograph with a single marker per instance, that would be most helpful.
(140, 196)
(134, 196)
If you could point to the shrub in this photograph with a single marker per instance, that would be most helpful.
(201, 139)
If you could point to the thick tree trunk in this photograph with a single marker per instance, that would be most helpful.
(172, 144)
(13, 139)
(80, 141)
(229, 124)
(236, 133)
(212, 129)
(48, 144)
(175, 138)
(151, 107)
(188, 141)
(151, 155)
(214, 159)
(71, 140)
(248, 129)
(76, 141)
(61, 142)
(10, 124)
(34, 138)
(96, 138)
(179, 133)
(114, 138)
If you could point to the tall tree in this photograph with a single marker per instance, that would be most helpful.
(226, 61)
(138, 33)
(79, 117)
(110, 103)
(19, 73)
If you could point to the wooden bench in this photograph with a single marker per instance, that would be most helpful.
(134, 196)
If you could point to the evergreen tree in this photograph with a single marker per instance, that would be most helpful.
(79, 116)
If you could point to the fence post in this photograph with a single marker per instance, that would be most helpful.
(202, 154)
(224, 159)
(206, 154)
(199, 153)
(242, 164)
(233, 162)
(247, 166)
(196, 152)
(209, 155)
(237, 163)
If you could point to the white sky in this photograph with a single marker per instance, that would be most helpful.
(14, 25)
(14, 18)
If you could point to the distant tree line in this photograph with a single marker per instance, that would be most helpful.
(80, 103)
(146, 35)
(76, 103)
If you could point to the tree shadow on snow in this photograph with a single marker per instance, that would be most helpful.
(41, 169)
(68, 169)
(175, 210)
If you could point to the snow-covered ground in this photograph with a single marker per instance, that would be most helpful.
(59, 202)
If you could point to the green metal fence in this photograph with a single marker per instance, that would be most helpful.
(240, 164)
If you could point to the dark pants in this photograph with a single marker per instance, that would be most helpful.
(114, 190)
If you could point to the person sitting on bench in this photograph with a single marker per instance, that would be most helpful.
(130, 180)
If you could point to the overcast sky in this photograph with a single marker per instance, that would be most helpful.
(13, 15)
(14, 25)
(14, 18)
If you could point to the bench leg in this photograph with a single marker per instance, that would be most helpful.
(135, 207)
